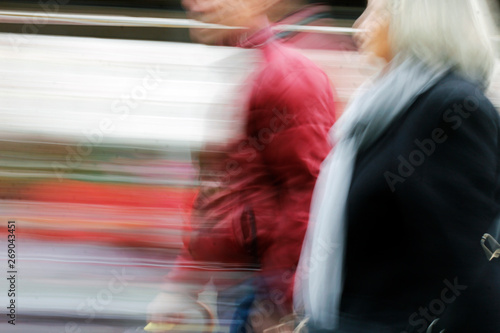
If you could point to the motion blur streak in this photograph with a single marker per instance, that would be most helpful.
(96, 139)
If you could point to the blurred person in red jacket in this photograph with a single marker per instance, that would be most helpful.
(250, 217)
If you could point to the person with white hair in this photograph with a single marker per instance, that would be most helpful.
(412, 183)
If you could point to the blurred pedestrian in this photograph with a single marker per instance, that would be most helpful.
(412, 183)
(249, 221)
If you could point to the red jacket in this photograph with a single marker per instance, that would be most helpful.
(257, 216)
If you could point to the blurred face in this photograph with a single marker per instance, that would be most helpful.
(373, 38)
(236, 13)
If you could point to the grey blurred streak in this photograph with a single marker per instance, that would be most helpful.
(86, 19)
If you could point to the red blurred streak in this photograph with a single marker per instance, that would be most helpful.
(117, 232)
(128, 195)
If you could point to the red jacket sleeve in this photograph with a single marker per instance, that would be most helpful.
(292, 112)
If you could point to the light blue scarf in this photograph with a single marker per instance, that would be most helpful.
(318, 285)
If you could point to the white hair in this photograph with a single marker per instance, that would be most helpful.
(445, 33)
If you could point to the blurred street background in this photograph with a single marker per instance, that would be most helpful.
(98, 125)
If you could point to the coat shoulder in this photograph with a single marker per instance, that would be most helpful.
(452, 91)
